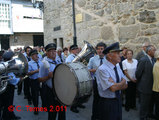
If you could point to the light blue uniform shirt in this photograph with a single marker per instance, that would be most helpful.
(40, 56)
(64, 57)
(94, 63)
(58, 59)
(103, 73)
(32, 67)
(43, 72)
(70, 58)
(14, 80)
(26, 56)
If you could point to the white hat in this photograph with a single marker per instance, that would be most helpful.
(157, 54)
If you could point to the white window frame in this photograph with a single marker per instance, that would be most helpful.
(10, 29)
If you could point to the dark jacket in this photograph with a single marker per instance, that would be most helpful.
(140, 55)
(144, 75)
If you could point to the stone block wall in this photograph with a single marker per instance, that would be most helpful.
(21, 40)
(131, 22)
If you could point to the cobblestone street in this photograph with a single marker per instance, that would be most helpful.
(84, 114)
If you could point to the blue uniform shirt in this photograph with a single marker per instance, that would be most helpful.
(43, 72)
(70, 58)
(32, 67)
(26, 56)
(103, 73)
(94, 63)
(40, 56)
(58, 59)
(14, 80)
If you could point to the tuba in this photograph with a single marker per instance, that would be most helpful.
(18, 65)
(85, 54)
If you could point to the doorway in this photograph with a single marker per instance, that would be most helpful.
(38, 40)
(4, 42)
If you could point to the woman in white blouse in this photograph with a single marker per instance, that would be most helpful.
(129, 67)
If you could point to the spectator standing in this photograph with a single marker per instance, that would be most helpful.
(129, 67)
(156, 85)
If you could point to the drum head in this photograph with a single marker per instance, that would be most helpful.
(64, 84)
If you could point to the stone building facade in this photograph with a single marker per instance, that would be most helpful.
(131, 22)
(21, 24)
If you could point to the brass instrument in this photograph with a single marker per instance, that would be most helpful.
(18, 65)
(85, 54)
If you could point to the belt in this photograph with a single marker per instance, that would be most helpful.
(11, 85)
(48, 87)
(33, 79)
(102, 98)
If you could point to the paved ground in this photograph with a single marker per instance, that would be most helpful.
(84, 114)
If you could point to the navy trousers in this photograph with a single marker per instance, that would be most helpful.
(7, 100)
(110, 109)
(27, 88)
(96, 99)
(35, 88)
(51, 101)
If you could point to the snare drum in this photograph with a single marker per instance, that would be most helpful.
(72, 82)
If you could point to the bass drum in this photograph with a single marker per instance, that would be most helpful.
(72, 83)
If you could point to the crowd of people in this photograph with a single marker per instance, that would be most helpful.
(115, 73)
(38, 80)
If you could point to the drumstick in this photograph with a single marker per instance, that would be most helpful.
(46, 64)
(97, 67)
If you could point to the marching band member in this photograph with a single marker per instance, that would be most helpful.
(33, 73)
(93, 64)
(39, 53)
(59, 56)
(46, 74)
(65, 53)
(7, 98)
(74, 51)
(27, 92)
(110, 80)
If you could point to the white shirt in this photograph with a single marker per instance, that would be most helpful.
(130, 67)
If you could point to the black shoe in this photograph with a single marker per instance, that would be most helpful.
(126, 109)
(25, 97)
(29, 102)
(95, 118)
(81, 106)
(151, 116)
(134, 108)
(36, 112)
(15, 118)
(74, 110)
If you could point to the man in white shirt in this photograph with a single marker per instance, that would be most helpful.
(93, 65)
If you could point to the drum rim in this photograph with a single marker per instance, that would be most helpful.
(54, 84)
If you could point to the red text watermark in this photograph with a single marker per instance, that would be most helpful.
(39, 109)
